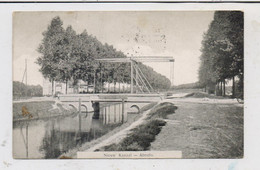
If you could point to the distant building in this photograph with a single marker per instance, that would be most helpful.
(60, 88)
(46, 87)
(81, 87)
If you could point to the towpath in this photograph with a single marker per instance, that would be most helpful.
(203, 128)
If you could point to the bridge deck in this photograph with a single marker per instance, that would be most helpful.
(142, 98)
(112, 95)
(113, 100)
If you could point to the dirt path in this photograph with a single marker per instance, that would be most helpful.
(203, 129)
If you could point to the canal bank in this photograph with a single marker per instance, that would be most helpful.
(37, 109)
(116, 135)
(203, 128)
(150, 119)
(48, 128)
(141, 136)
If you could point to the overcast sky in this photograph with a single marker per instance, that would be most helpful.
(177, 34)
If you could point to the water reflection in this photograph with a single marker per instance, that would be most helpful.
(54, 136)
(113, 114)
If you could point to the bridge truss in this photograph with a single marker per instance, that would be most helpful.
(137, 77)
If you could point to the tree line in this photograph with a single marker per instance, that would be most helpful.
(196, 85)
(222, 57)
(69, 57)
(20, 90)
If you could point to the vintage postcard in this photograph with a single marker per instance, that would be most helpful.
(128, 84)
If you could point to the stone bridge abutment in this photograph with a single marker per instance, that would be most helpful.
(129, 103)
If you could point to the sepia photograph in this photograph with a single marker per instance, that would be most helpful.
(128, 84)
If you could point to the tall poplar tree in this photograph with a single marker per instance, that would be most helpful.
(50, 51)
(222, 50)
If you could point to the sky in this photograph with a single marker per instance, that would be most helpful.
(135, 33)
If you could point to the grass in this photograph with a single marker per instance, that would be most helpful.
(141, 137)
(37, 110)
(204, 131)
(147, 107)
(162, 110)
(204, 95)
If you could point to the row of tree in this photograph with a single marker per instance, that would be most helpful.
(196, 85)
(69, 57)
(20, 90)
(222, 56)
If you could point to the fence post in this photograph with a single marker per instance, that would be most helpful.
(79, 115)
(105, 110)
(27, 149)
(123, 109)
(114, 113)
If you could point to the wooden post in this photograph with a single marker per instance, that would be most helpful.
(221, 88)
(105, 110)
(123, 110)
(66, 86)
(108, 113)
(79, 116)
(224, 88)
(114, 82)
(94, 86)
(136, 80)
(94, 133)
(96, 107)
(26, 93)
(114, 113)
(27, 152)
(132, 77)
(52, 87)
(233, 87)
(172, 74)
(119, 115)
(101, 83)
(218, 88)
(87, 87)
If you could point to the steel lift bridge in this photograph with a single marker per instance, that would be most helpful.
(138, 79)
(90, 102)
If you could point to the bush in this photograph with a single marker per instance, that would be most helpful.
(140, 139)
(162, 110)
(21, 90)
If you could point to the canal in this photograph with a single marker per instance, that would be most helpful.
(51, 137)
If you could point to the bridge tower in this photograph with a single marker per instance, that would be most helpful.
(137, 75)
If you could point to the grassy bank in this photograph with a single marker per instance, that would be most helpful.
(203, 131)
(141, 137)
(205, 95)
(162, 110)
(38, 110)
(131, 118)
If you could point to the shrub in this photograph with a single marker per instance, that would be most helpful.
(140, 139)
(162, 110)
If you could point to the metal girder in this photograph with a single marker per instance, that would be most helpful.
(135, 59)
(138, 59)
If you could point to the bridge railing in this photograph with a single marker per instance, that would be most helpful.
(112, 97)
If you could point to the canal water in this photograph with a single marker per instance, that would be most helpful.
(51, 137)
